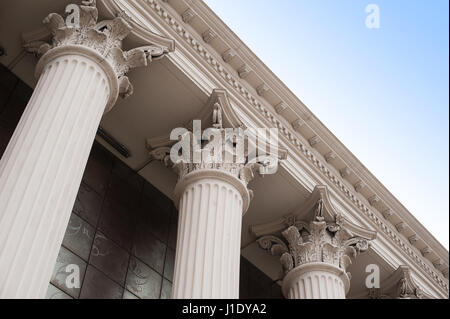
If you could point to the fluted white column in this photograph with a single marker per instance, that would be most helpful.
(81, 73)
(316, 281)
(42, 168)
(207, 261)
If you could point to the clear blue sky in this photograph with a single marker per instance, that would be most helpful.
(383, 92)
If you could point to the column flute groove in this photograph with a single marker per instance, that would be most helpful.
(40, 189)
(210, 238)
(67, 157)
(32, 197)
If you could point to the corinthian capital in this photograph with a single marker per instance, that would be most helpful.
(322, 241)
(216, 144)
(102, 37)
(324, 237)
(224, 145)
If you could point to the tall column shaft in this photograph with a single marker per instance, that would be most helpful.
(209, 236)
(316, 281)
(42, 167)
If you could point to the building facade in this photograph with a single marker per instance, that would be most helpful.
(92, 204)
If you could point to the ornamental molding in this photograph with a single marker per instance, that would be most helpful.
(330, 156)
(244, 71)
(345, 172)
(326, 237)
(401, 227)
(208, 35)
(102, 37)
(281, 107)
(262, 89)
(313, 141)
(388, 213)
(295, 141)
(228, 55)
(374, 200)
(426, 251)
(399, 285)
(438, 263)
(188, 15)
(413, 239)
(359, 185)
(297, 124)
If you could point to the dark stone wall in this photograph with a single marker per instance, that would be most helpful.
(122, 231)
(122, 235)
(14, 96)
(254, 284)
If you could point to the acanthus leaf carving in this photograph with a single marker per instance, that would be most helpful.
(406, 290)
(104, 37)
(287, 262)
(323, 239)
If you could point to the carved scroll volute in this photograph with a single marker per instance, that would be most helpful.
(277, 247)
(273, 244)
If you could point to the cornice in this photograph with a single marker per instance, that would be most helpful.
(296, 142)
